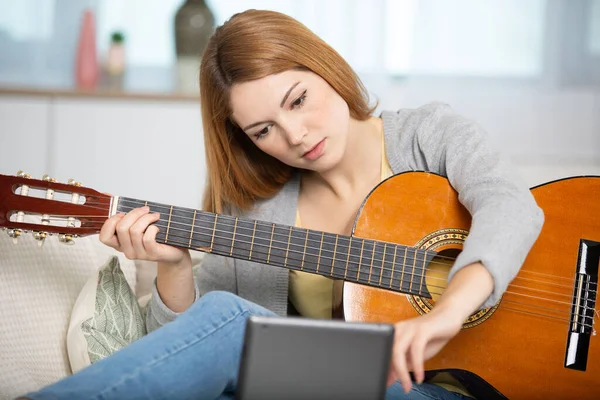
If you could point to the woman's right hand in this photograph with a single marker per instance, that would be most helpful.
(134, 235)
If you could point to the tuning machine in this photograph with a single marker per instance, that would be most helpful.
(66, 238)
(15, 233)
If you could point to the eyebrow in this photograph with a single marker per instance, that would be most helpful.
(287, 94)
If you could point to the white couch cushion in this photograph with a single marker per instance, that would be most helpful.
(38, 288)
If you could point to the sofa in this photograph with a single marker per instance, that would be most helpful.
(39, 287)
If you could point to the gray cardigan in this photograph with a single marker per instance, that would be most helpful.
(506, 221)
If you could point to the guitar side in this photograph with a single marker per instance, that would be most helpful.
(519, 346)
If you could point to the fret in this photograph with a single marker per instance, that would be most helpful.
(192, 231)
(320, 251)
(287, 249)
(382, 263)
(270, 243)
(203, 232)
(372, 260)
(348, 258)
(340, 263)
(313, 251)
(278, 251)
(422, 273)
(223, 234)
(387, 266)
(355, 257)
(304, 252)
(297, 248)
(333, 258)
(262, 243)
(169, 223)
(212, 240)
(233, 237)
(242, 238)
(360, 260)
(394, 266)
(252, 243)
(403, 265)
(146, 203)
(413, 272)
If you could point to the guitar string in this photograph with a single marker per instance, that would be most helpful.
(269, 226)
(581, 315)
(381, 267)
(358, 272)
(331, 259)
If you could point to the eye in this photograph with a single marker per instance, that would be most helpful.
(262, 132)
(299, 102)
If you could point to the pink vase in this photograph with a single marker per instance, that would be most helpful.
(86, 63)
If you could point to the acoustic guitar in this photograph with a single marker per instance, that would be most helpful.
(538, 342)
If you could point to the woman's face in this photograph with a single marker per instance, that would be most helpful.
(294, 116)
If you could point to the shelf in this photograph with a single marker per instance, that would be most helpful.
(136, 84)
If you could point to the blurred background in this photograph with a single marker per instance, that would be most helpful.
(105, 91)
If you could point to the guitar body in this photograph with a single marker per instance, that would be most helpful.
(519, 352)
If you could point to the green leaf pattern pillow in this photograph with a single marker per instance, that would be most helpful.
(118, 319)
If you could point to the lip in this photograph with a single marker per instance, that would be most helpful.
(315, 152)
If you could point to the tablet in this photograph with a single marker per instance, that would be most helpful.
(299, 358)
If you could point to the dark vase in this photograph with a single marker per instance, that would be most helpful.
(194, 24)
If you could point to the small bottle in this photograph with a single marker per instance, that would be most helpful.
(115, 63)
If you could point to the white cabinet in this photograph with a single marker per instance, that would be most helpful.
(147, 149)
(150, 150)
(24, 135)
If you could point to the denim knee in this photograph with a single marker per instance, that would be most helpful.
(221, 299)
(227, 303)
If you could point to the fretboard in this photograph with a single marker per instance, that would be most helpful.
(370, 262)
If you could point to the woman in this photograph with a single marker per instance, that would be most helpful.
(290, 138)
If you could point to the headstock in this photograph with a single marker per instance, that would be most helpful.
(45, 207)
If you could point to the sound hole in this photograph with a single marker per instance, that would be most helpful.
(436, 279)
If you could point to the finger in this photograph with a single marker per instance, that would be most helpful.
(123, 228)
(400, 368)
(416, 357)
(108, 233)
(149, 239)
(136, 232)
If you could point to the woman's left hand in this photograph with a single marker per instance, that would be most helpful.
(417, 340)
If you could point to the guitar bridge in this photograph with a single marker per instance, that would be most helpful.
(583, 306)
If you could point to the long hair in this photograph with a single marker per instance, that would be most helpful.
(251, 45)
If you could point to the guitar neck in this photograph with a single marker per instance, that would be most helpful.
(384, 265)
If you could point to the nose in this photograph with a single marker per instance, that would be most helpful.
(295, 133)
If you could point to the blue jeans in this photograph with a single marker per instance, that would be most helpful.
(194, 357)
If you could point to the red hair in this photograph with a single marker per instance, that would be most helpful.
(251, 45)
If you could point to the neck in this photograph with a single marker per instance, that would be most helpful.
(360, 164)
(365, 261)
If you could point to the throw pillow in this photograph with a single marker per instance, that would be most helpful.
(106, 317)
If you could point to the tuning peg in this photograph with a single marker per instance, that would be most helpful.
(14, 234)
(40, 237)
(23, 174)
(72, 181)
(66, 239)
(47, 178)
